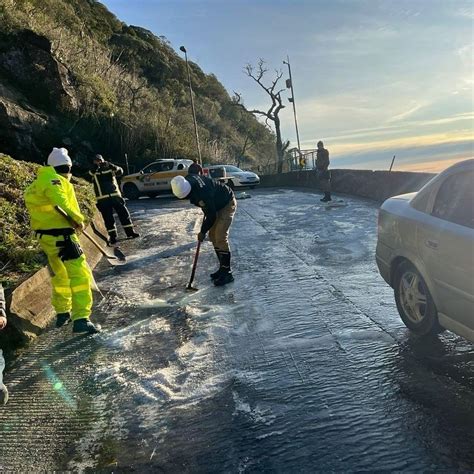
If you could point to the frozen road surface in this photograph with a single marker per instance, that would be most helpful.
(301, 365)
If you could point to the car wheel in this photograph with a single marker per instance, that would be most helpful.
(231, 184)
(131, 191)
(414, 302)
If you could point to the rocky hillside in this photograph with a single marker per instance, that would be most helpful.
(71, 73)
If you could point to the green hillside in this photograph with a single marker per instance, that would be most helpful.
(71, 73)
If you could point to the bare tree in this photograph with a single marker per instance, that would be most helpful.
(272, 114)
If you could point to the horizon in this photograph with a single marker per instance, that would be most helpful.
(397, 77)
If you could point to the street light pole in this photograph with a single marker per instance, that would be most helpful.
(196, 133)
(292, 100)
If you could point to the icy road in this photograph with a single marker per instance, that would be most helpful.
(301, 365)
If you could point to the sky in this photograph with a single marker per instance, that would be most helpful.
(372, 78)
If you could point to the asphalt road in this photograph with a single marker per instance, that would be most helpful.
(301, 365)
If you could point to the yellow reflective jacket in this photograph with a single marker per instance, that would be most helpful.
(51, 189)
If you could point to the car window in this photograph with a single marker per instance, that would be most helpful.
(158, 167)
(153, 168)
(167, 166)
(232, 169)
(455, 200)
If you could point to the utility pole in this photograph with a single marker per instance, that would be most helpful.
(126, 162)
(391, 166)
(183, 49)
(289, 85)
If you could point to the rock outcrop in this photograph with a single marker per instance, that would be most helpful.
(26, 60)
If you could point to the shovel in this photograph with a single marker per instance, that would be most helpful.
(112, 259)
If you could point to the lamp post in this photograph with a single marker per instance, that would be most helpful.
(289, 85)
(196, 133)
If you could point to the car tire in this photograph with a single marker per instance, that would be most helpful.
(152, 195)
(414, 301)
(130, 191)
(231, 184)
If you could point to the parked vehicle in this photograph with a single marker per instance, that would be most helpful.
(236, 178)
(154, 178)
(425, 251)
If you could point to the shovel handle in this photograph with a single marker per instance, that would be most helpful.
(74, 224)
(193, 272)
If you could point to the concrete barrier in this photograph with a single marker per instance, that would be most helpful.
(376, 185)
(29, 309)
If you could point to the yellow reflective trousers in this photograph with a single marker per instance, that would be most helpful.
(71, 279)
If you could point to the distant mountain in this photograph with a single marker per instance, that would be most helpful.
(72, 74)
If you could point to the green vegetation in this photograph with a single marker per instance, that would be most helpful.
(20, 254)
(131, 90)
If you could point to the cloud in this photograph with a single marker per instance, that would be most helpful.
(403, 115)
(461, 136)
(466, 53)
(465, 12)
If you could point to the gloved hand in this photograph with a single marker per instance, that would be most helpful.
(78, 226)
(201, 236)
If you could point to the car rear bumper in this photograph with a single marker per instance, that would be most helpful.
(249, 183)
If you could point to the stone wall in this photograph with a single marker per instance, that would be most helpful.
(376, 185)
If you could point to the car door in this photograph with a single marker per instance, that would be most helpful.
(149, 182)
(163, 176)
(446, 244)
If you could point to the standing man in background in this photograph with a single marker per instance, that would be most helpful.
(324, 175)
(104, 178)
(3, 323)
(71, 276)
(195, 168)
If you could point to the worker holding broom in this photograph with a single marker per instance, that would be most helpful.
(218, 204)
(72, 278)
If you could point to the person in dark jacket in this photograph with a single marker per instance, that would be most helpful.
(109, 199)
(3, 323)
(324, 175)
(195, 168)
(218, 204)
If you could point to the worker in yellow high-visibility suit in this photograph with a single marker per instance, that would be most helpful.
(72, 278)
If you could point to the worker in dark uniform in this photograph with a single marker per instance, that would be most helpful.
(104, 178)
(324, 175)
(3, 323)
(195, 168)
(218, 204)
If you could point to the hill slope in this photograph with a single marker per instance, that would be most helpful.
(72, 73)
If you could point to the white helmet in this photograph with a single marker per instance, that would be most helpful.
(59, 157)
(181, 187)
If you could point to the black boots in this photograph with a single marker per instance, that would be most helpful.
(224, 273)
(62, 319)
(326, 198)
(218, 272)
(131, 234)
(85, 326)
